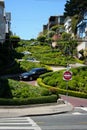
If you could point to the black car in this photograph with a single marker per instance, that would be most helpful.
(33, 74)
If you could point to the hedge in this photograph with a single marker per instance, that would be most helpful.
(28, 101)
(61, 91)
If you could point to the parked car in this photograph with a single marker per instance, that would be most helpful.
(20, 59)
(34, 43)
(26, 52)
(32, 60)
(33, 73)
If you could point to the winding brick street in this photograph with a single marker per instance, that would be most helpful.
(76, 102)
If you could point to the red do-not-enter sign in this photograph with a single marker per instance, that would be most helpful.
(67, 75)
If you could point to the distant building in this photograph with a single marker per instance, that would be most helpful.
(45, 27)
(53, 20)
(61, 20)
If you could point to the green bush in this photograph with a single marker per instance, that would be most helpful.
(28, 101)
(20, 93)
(58, 90)
(78, 82)
(24, 90)
(14, 89)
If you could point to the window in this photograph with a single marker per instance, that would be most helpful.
(1, 10)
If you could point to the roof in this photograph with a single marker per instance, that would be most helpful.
(56, 37)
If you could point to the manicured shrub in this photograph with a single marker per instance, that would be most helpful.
(75, 87)
(28, 101)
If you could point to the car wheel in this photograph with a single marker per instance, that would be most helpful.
(31, 78)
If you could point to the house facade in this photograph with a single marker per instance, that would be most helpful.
(2, 21)
(8, 23)
(53, 20)
(81, 46)
(82, 27)
(61, 19)
(82, 33)
(5, 19)
(67, 25)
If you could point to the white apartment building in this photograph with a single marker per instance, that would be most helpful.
(4, 21)
(67, 25)
(8, 24)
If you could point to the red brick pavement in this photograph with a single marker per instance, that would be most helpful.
(76, 102)
(31, 82)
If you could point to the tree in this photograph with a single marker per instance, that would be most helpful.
(58, 28)
(66, 36)
(50, 34)
(85, 55)
(74, 22)
(73, 7)
(14, 40)
(41, 38)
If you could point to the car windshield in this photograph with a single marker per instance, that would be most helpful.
(30, 58)
(32, 71)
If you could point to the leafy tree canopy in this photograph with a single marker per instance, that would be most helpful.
(66, 36)
(14, 38)
(58, 28)
(73, 7)
(41, 38)
(75, 20)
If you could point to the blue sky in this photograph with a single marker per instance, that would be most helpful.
(29, 16)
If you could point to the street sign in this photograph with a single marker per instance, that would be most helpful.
(67, 75)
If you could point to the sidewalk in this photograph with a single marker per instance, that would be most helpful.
(35, 110)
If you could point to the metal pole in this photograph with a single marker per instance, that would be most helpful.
(67, 84)
(66, 91)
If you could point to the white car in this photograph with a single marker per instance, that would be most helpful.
(20, 59)
(26, 52)
(34, 43)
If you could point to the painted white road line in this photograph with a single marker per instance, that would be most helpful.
(84, 108)
(18, 123)
(76, 113)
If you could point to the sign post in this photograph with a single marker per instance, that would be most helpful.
(67, 75)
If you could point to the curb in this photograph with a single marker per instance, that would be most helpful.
(39, 110)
